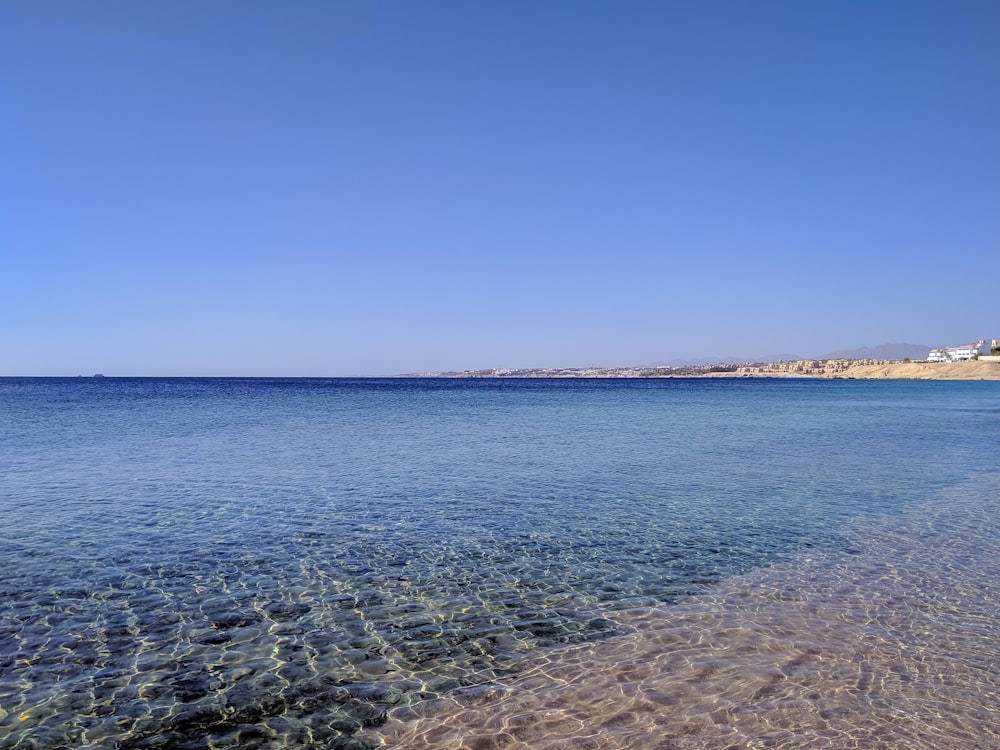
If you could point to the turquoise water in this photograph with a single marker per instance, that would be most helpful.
(279, 563)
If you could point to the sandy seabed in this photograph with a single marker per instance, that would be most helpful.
(894, 645)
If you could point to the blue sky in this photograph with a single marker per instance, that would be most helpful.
(365, 188)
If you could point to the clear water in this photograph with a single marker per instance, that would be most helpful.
(316, 563)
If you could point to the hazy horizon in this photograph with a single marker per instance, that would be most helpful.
(895, 351)
(337, 189)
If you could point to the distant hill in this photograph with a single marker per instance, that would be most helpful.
(882, 351)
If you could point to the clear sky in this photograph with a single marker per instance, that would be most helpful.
(365, 188)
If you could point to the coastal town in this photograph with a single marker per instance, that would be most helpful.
(979, 360)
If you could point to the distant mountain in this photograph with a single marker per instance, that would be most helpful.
(882, 351)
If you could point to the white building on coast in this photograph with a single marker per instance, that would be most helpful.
(959, 353)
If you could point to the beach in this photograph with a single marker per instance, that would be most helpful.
(971, 370)
(856, 369)
(843, 369)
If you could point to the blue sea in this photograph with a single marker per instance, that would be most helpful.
(348, 563)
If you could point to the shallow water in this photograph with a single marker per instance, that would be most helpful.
(265, 563)
(895, 644)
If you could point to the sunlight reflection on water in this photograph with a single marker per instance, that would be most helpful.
(271, 564)
(896, 645)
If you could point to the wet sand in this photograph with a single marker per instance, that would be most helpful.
(894, 646)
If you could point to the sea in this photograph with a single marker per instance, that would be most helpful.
(498, 563)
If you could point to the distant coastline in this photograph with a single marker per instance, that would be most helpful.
(838, 369)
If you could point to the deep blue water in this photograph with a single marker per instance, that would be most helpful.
(239, 560)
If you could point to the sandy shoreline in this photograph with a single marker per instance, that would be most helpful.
(918, 371)
(874, 370)
(930, 371)
(846, 369)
